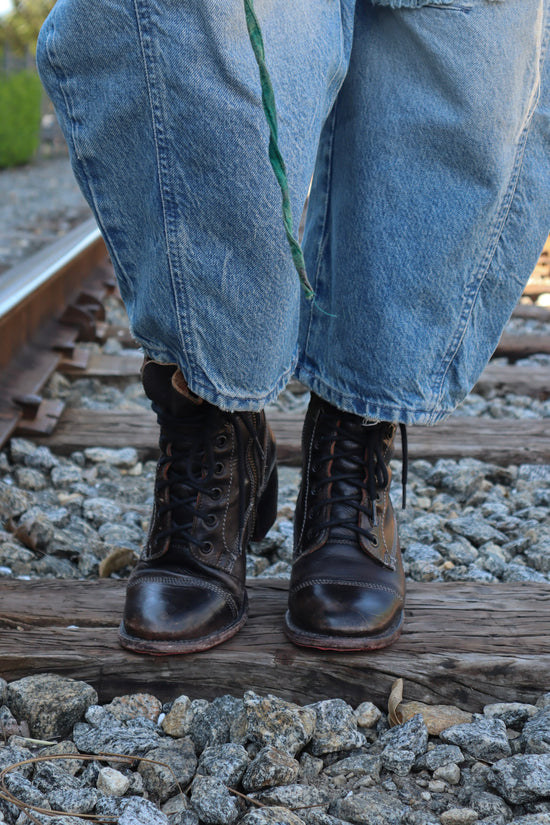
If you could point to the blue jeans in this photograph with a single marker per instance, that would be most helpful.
(425, 126)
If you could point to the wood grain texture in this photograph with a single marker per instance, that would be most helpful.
(521, 346)
(465, 644)
(505, 441)
(531, 381)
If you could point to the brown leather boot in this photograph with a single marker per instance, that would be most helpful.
(215, 490)
(347, 587)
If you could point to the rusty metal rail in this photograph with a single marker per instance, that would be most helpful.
(46, 302)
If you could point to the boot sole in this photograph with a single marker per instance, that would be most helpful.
(161, 647)
(305, 638)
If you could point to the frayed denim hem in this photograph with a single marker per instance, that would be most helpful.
(200, 384)
(368, 409)
(462, 5)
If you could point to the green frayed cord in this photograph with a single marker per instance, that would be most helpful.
(275, 156)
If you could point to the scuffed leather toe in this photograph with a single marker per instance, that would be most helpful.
(350, 615)
(170, 613)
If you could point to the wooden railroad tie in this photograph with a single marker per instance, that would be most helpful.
(463, 644)
(505, 441)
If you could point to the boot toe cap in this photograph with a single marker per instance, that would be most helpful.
(169, 613)
(344, 614)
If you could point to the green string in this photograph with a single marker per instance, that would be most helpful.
(275, 156)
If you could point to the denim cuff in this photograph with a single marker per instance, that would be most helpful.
(416, 4)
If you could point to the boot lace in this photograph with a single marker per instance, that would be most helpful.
(188, 468)
(358, 465)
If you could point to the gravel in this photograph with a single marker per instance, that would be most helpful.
(69, 517)
(267, 764)
(39, 202)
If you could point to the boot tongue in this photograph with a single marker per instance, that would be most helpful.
(356, 438)
(181, 416)
(165, 386)
(347, 488)
(156, 379)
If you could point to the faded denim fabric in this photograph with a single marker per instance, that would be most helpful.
(426, 129)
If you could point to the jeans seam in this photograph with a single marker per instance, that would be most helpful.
(84, 180)
(323, 233)
(149, 61)
(479, 276)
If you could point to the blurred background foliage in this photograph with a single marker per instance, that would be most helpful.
(20, 88)
(20, 98)
(20, 25)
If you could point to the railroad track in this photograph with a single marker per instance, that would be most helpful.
(53, 301)
(457, 646)
(46, 304)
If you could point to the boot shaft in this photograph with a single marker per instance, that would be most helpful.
(213, 469)
(345, 492)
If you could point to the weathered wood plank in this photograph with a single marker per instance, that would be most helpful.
(468, 644)
(515, 347)
(532, 312)
(506, 441)
(106, 366)
(25, 375)
(532, 381)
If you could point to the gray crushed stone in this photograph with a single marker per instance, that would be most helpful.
(39, 203)
(175, 779)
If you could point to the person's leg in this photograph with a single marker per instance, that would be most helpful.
(428, 210)
(160, 104)
(430, 203)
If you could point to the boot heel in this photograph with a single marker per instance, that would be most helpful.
(266, 511)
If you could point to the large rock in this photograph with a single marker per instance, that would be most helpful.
(440, 756)
(134, 706)
(272, 816)
(535, 735)
(169, 767)
(483, 738)
(403, 744)
(50, 704)
(273, 721)
(104, 733)
(369, 808)
(522, 778)
(335, 728)
(142, 812)
(213, 802)
(212, 725)
(358, 766)
(227, 762)
(270, 767)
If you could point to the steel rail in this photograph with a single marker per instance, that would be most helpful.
(39, 289)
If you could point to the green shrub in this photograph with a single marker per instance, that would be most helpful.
(20, 26)
(20, 97)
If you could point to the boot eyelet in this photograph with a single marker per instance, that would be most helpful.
(215, 494)
(211, 520)
(221, 440)
(375, 541)
(219, 469)
(206, 548)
